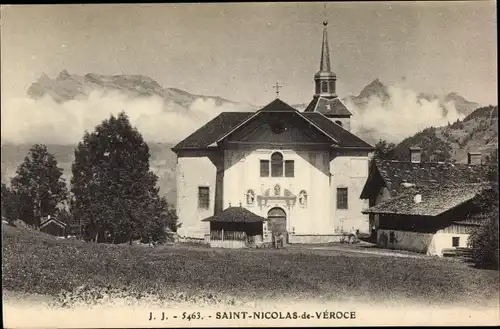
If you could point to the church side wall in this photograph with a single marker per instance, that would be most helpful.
(192, 172)
(349, 169)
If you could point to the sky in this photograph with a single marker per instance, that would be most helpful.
(240, 50)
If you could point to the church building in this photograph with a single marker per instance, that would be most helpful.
(280, 169)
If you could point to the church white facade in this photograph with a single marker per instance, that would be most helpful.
(302, 172)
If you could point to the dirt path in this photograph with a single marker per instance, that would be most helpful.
(373, 252)
(360, 249)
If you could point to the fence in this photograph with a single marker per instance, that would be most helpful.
(228, 235)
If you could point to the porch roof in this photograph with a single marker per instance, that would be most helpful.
(235, 215)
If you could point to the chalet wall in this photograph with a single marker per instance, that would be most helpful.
(382, 196)
(431, 244)
(349, 169)
(444, 241)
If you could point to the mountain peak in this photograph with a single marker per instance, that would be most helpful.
(455, 96)
(63, 75)
(374, 88)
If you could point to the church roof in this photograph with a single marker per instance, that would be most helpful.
(277, 105)
(344, 137)
(213, 130)
(229, 122)
(328, 107)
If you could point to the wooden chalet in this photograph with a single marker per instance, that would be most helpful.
(428, 219)
(53, 226)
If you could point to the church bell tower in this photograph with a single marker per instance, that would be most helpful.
(325, 99)
(325, 79)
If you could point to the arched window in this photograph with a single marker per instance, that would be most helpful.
(276, 164)
(339, 122)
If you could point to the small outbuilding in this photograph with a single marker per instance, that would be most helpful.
(53, 226)
(235, 227)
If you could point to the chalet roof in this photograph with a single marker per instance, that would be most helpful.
(227, 122)
(435, 199)
(394, 173)
(328, 106)
(235, 215)
(46, 221)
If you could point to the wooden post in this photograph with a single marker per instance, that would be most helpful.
(222, 234)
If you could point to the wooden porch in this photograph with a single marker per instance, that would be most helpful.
(235, 227)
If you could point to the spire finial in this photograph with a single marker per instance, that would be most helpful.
(277, 86)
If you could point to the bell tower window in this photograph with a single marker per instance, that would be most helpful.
(332, 86)
(324, 86)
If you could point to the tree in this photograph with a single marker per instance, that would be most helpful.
(115, 194)
(38, 186)
(9, 205)
(484, 239)
(384, 150)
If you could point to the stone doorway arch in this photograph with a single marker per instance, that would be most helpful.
(276, 221)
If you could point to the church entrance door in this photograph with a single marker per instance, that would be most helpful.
(276, 218)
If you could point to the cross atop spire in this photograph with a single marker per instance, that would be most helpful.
(277, 86)
(324, 11)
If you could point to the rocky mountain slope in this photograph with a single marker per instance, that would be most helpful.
(470, 133)
(376, 89)
(477, 132)
(67, 87)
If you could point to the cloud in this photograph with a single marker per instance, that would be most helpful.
(25, 120)
(403, 115)
(29, 121)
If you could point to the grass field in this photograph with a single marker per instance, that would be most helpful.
(40, 264)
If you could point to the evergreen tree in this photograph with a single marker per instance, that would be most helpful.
(384, 150)
(38, 187)
(115, 194)
(9, 204)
